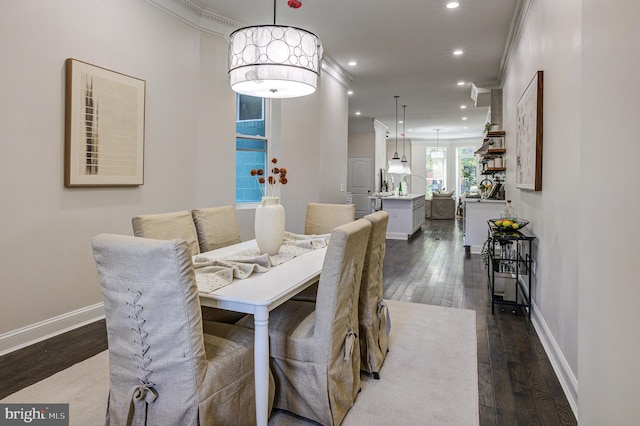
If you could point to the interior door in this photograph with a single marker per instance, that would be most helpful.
(360, 183)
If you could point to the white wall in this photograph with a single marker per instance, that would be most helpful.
(47, 269)
(551, 41)
(607, 244)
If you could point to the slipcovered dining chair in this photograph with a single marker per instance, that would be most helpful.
(321, 218)
(167, 226)
(315, 351)
(216, 227)
(372, 310)
(179, 225)
(162, 369)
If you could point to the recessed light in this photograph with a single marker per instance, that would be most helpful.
(463, 106)
(458, 52)
(357, 112)
(350, 92)
(352, 63)
(464, 118)
(461, 83)
(452, 5)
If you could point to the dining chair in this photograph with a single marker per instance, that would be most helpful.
(373, 314)
(315, 351)
(163, 370)
(179, 225)
(216, 227)
(167, 226)
(321, 218)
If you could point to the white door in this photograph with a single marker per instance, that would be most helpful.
(360, 183)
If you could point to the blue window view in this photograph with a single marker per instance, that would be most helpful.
(251, 147)
(250, 154)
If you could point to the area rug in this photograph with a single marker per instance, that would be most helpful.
(428, 378)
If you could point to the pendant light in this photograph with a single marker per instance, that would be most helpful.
(437, 153)
(395, 165)
(274, 61)
(405, 163)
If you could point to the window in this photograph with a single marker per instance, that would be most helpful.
(436, 172)
(252, 145)
(467, 168)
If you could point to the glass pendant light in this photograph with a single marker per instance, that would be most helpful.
(437, 153)
(405, 163)
(395, 165)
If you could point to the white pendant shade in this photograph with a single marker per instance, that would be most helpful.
(406, 168)
(395, 167)
(274, 61)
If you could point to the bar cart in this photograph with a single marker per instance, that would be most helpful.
(511, 262)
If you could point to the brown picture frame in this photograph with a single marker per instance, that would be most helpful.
(529, 135)
(104, 126)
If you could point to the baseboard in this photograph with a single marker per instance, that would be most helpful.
(567, 379)
(51, 327)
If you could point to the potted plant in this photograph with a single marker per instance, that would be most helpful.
(488, 127)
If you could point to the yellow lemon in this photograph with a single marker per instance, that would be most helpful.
(506, 223)
(498, 223)
(515, 226)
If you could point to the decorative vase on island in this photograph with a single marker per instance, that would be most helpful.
(269, 225)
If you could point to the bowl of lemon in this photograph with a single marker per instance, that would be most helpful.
(509, 224)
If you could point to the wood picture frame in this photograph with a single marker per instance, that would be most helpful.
(529, 135)
(104, 127)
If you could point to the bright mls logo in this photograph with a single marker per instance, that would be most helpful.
(34, 414)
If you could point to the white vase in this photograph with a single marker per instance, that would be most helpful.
(269, 225)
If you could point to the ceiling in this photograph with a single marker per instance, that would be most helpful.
(402, 48)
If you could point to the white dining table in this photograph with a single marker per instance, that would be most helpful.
(257, 295)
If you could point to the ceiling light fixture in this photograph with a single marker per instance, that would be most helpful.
(457, 52)
(274, 61)
(405, 164)
(437, 153)
(395, 165)
(452, 5)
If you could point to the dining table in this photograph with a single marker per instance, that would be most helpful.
(258, 294)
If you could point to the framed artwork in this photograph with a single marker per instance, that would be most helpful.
(104, 127)
(529, 136)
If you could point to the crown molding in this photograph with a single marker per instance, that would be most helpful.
(203, 19)
(513, 38)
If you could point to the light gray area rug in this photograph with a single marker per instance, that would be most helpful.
(429, 377)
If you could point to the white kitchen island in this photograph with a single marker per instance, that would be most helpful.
(406, 214)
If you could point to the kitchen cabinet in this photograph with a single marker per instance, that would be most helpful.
(476, 214)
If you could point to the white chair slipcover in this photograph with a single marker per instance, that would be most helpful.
(372, 312)
(322, 218)
(163, 369)
(167, 226)
(216, 227)
(315, 350)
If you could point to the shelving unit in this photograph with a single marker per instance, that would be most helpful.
(511, 264)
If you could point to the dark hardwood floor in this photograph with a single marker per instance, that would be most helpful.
(516, 383)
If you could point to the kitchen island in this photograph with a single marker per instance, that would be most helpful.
(406, 214)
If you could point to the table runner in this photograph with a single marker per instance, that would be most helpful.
(215, 273)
